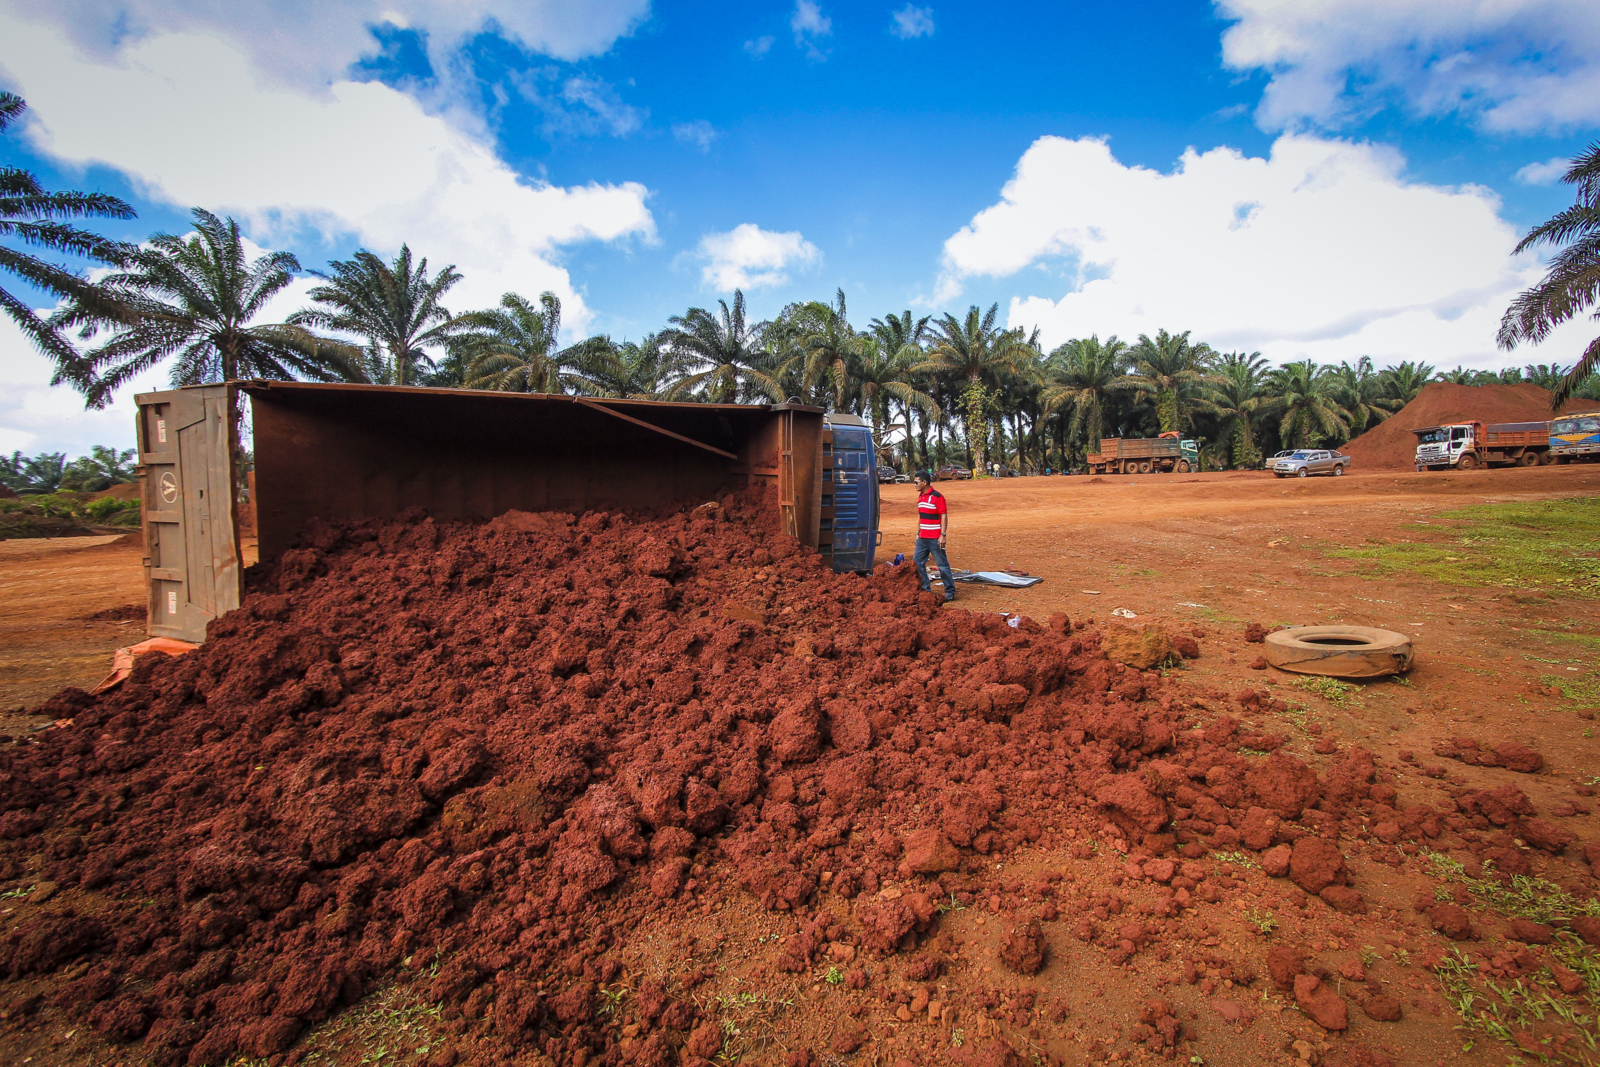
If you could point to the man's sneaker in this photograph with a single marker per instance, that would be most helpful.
(948, 597)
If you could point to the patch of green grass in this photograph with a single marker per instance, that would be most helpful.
(1592, 640)
(1585, 689)
(1553, 1027)
(834, 976)
(1238, 859)
(19, 891)
(1264, 921)
(1300, 717)
(1552, 545)
(1369, 955)
(1524, 895)
(1332, 690)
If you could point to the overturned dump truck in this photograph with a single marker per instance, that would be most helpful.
(367, 451)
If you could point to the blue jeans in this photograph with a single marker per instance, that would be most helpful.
(927, 546)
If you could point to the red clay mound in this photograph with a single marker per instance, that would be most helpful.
(1391, 445)
(503, 746)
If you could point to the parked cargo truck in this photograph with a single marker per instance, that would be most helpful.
(1465, 445)
(1575, 437)
(335, 451)
(1145, 455)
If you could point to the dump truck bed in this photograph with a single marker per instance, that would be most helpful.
(1139, 447)
(1515, 434)
(335, 451)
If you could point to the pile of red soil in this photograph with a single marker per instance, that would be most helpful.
(501, 745)
(1391, 445)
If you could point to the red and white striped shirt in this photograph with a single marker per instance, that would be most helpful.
(930, 506)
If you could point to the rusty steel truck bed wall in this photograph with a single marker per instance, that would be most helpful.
(365, 451)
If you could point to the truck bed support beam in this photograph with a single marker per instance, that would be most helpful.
(652, 426)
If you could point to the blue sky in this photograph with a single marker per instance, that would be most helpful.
(1319, 179)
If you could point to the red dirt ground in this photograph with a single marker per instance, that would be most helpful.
(841, 837)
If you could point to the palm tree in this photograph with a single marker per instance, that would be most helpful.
(894, 332)
(26, 475)
(102, 468)
(395, 308)
(1359, 391)
(635, 370)
(1301, 395)
(1402, 382)
(32, 217)
(512, 348)
(1544, 375)
(1082, 375)
(1236, 398)
(1573, 282)
(878, 375)
(191, 299)
(723, 354)
(1171, 370)
(828, 345)
(973, 350)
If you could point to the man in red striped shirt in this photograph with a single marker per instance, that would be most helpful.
(933, 527)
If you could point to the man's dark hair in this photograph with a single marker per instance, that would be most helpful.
(925, 476)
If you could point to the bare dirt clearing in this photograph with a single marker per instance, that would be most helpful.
(1178, 939)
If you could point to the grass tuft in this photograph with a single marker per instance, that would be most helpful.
(1332, 690)
(1525, 896)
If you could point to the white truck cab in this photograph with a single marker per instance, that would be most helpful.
(1442, 446)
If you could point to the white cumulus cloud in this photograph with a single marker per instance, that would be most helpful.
(748, 257)
(1322, 250)
(315, 41)
(912, 21)
(196, 123)
(1510, 65)
(699, 133)
(810, 25)
(193, 126)
(1547, 173)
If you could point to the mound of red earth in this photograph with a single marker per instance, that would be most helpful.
(1391, 445)
(502, 745)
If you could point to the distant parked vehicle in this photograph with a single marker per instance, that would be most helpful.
(951, 474)
(1304, 462)
(1575, 437)
(887, 474)
(1145, 455)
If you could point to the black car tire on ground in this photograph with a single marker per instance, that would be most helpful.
(1339, 651)
(1183, 466)
(1338, 471)
(1301, 473)
(1467, 461)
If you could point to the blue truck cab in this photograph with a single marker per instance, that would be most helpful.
(848, 534)
(1575, 436)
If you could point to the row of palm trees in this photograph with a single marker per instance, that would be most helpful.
(946, 388)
